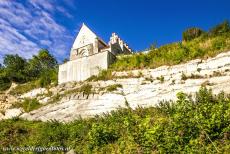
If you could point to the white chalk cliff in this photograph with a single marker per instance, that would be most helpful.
(153, 86)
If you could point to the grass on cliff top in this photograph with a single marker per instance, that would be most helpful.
(184, 126)
(208, 44)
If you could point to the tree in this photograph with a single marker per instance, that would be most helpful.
(192, 33)
(15, 68)
(47, 61)
(41, 63)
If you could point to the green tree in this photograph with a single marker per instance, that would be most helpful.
(15, 68)
(41, 63)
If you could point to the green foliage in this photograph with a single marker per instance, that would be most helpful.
(197, 45)
(201, 125)
(47, 77)
(220, 29)
(23, 88)
(219, 43)
(4, 82)
(15, 68)
(28, 104)
(113, 87)
(103, 75)
(42, 68)
(199, 69)
(100, 135)
(86, 89)
(192, 33)
(41, 63)
(183, 76)
(161, 78)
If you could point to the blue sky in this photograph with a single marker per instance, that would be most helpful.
(28, 25)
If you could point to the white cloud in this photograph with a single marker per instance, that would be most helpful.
(63, 11)
(25, 28)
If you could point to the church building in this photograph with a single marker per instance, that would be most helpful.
(89, 54)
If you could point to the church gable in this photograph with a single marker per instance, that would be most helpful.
(84, 37)
(87, 43)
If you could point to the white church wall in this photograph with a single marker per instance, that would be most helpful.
(83, 68)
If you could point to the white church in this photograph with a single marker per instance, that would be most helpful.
(89, 54)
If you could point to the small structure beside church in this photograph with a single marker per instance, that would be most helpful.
(89, 54)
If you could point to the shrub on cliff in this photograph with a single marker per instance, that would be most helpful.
(220, 29)
(192, 33)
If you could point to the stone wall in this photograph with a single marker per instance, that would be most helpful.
(141, 88)
(83, 68)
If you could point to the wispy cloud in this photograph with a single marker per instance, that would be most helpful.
(27, 27)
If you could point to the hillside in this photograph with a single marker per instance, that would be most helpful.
(145, 88)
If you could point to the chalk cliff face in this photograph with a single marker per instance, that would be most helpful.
(148, 89)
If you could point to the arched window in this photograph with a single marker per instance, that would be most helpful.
(84, 53)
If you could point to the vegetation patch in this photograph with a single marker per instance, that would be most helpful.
(41, 68)
(207, 83)
(216, 73)
(149, 79)
(103, 75)
(196, 44)
(86, 89)
(28, 104)
(113, 87)
(161, 79)
(184, 126)
(199, 69)
(192, 76)
(24, 88)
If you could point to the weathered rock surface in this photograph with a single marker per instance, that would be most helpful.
(6, 101)
(154, 86)
(34, 93)
(11, 113)
(77, 106)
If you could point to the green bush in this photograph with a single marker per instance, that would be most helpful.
(23, 88)
(100, 135)
(113, 87)
(161, 79)
(201, 125)
(192, 33)
(103, 75)
(48, 77)
(86, 89)
(219, 44)
(28, 104)
(220, 29)
(5, 83)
